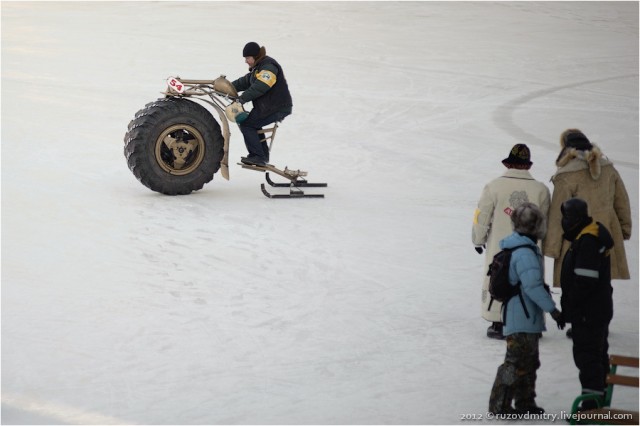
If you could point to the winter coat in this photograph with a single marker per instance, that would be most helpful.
(492, 220)
(527, 268)
(591, 176)
(266, 86)
(586, 278)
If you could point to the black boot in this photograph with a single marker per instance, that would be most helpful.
(531, 409)
(253, 161)
(495, 331)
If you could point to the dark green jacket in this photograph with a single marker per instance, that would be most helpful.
(266, 86)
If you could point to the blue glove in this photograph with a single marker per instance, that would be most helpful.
(242, 117)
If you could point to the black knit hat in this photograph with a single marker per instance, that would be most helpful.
(519, 156)
(578, 141)
(251, 49)
(575, 208)
(575, 216)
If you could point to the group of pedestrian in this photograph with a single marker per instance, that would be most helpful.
(582, 226)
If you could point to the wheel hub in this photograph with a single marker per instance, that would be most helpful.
(180, 149)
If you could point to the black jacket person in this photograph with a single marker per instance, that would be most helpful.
(587, 301)
(266, 87)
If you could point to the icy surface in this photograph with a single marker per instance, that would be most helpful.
(120, 305)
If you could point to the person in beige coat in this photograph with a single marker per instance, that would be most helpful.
(492, 219)
(584, 172)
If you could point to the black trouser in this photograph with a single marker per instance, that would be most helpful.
(591, 355)
(255, 143)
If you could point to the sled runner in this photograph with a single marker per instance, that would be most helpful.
(296, 181)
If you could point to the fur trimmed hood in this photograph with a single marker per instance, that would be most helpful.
(261, 55)
(571, 160)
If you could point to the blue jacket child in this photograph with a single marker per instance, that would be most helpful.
(515, 380)
(526, 267)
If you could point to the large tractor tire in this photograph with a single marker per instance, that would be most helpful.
(174, 146)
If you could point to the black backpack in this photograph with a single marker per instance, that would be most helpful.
(500, 288)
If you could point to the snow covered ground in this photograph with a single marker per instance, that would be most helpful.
(120, 305)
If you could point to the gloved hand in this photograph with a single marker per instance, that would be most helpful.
(558, 317)
(480, 249)
(241, 117)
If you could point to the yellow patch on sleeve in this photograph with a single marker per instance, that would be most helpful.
(267, 77)
(475, 216)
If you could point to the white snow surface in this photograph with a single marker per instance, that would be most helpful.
(121, 305)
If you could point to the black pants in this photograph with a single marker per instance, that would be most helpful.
(256, 146)
(591, 355)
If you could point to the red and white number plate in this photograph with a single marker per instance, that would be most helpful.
(175, 84)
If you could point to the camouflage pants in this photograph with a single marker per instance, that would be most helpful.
(516, 377)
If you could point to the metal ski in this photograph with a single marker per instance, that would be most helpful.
(296, 181)
(294, 192)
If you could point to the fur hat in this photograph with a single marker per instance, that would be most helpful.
(528, 219)
(572, 159)
(574, 138)
(518, 156)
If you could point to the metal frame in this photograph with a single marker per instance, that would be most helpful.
(222, 94)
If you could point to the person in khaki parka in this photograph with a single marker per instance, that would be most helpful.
(492, 220)
(585, 172)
